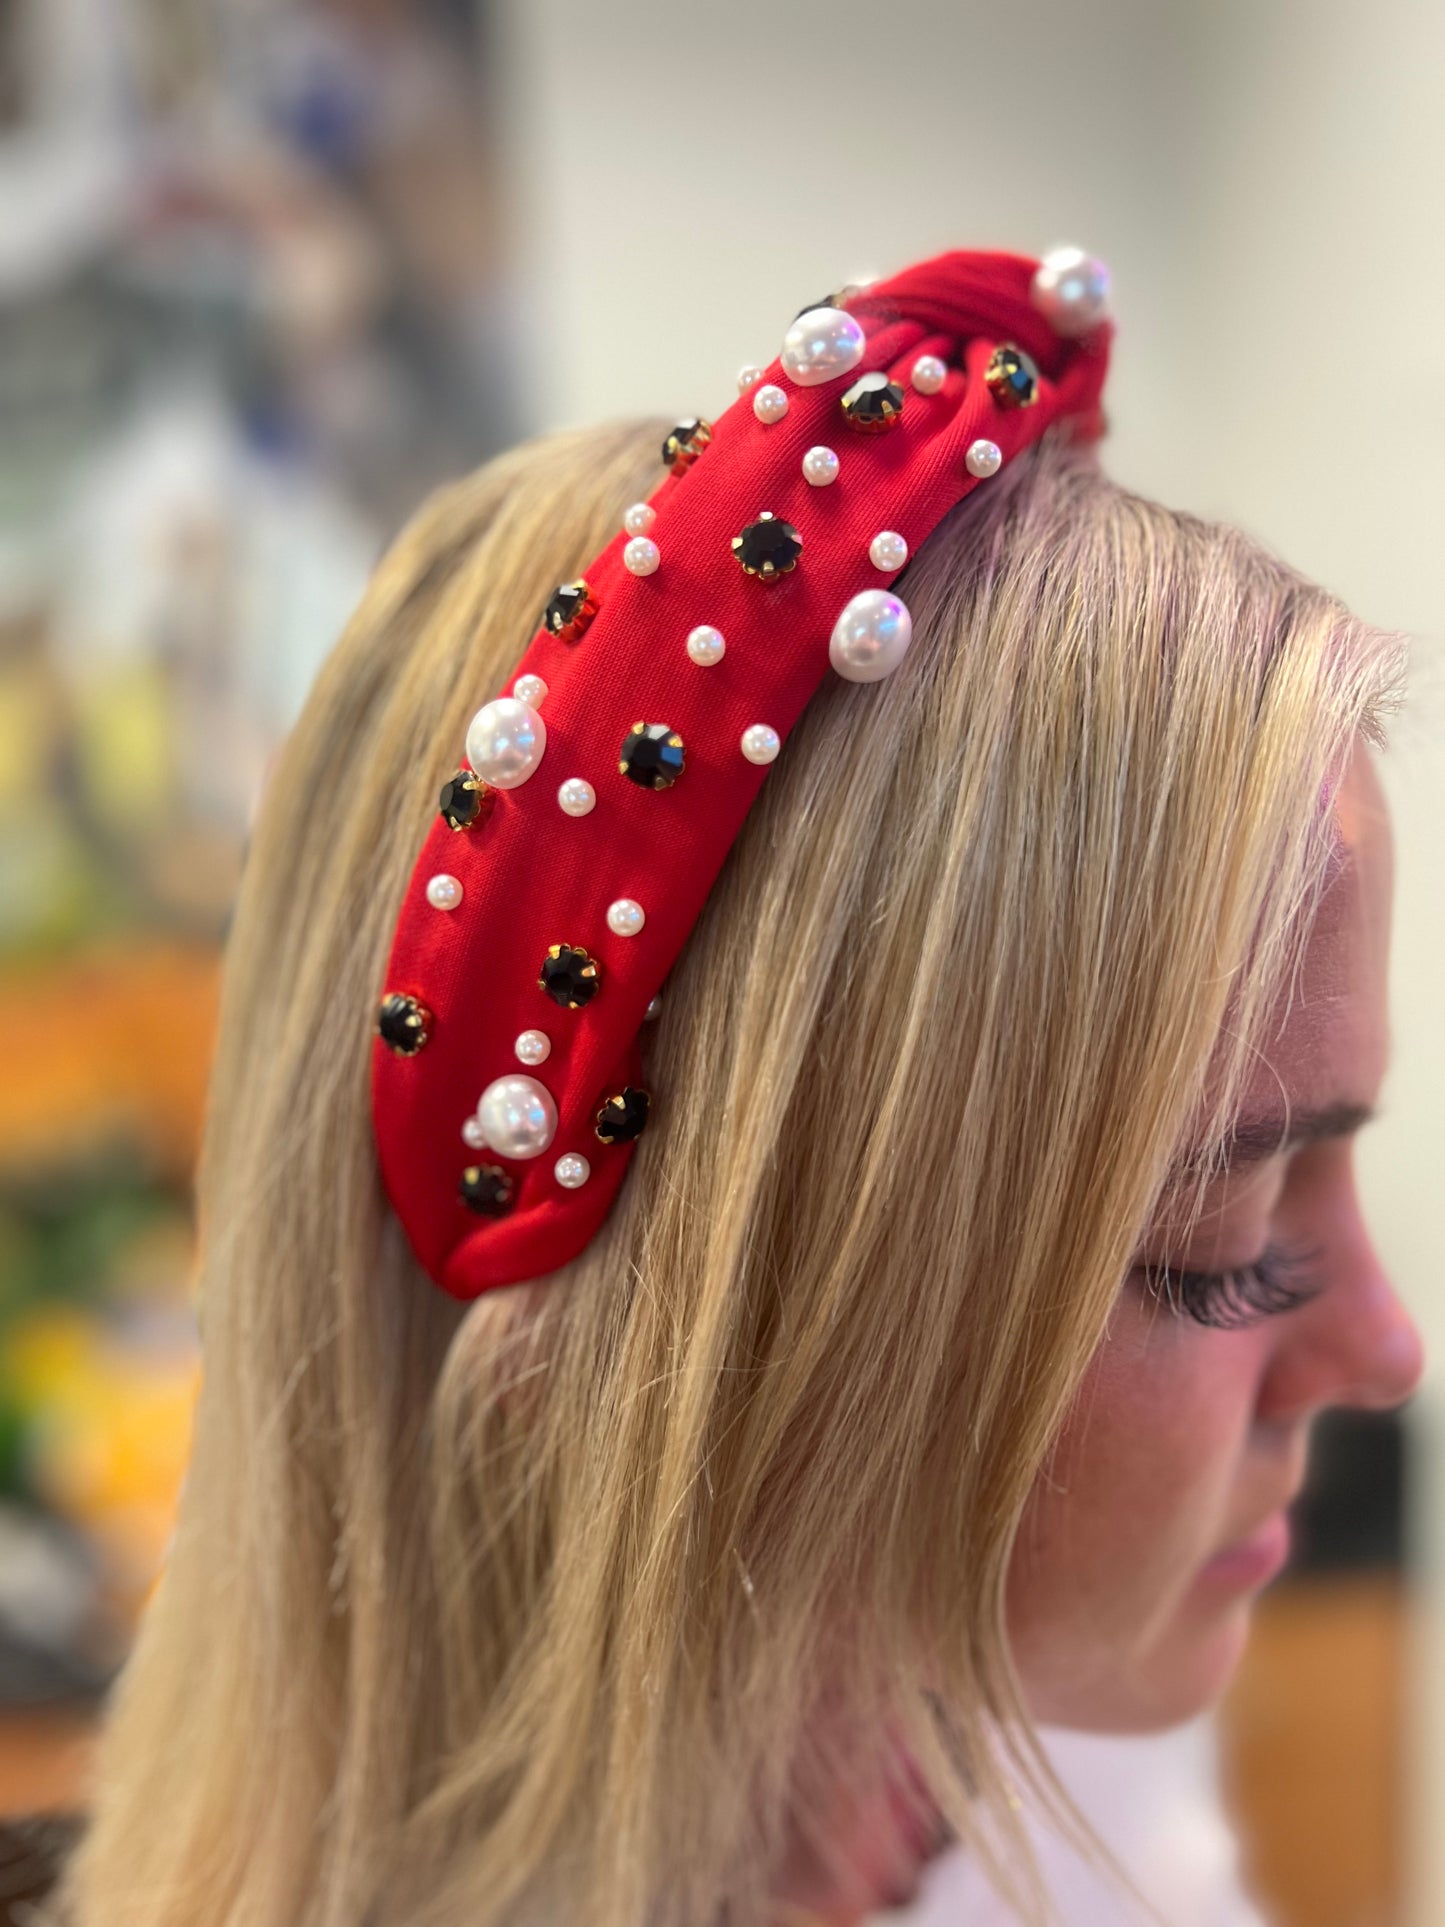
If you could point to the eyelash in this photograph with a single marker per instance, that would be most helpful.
(1277, 1281)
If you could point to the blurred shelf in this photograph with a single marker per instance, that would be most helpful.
(1314, 1749)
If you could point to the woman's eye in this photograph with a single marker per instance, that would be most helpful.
(1277, 1281)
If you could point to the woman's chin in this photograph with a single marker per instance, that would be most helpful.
(1180, 1677)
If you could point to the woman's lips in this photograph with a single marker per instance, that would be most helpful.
(1252, 1562)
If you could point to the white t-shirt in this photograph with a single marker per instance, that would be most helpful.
(1155, 1802)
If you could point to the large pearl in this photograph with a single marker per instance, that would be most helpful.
(1070, 289)
(871, 636)
(821, 344)
(518, 1117)
(505, 742)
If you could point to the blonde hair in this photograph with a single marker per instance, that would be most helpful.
(538, 1609)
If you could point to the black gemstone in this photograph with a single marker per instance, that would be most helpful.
(768, 547)
(623, 1116)
(839, 298)
(403, 1024)
(486, 1189)
(569, 976)
(465, 798)
(1012, 377)
(572, 607)
(652, 755)
(873, 404)
(686, 442)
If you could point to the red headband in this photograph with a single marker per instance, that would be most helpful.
(571, 858)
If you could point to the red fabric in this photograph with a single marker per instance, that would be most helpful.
(533, 876)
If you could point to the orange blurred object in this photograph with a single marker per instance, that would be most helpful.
(114, 1041)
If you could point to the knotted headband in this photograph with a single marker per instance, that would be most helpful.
(574, 848)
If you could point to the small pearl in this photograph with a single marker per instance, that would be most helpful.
(577, 796)
(533, 1047)
(654, 1009)
(1071, 290)
(870, 636)
(705, 644)
(529, 689)
(748, 377)
(770, 404)
(642, 555)
(822, 343)
(625, 917)
(506, 740)
(983, 458)
(760, 743)
(444, 893)
(820, 466)
(888, 550)
(518, 1117)
(472, 1134)
(928, 374)
(639, 518)
(572, 1170)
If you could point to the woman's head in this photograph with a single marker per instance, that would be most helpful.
(609, 1583)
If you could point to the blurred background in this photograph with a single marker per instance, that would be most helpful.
(270, 269)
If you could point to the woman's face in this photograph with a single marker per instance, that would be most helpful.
(1162, 1512)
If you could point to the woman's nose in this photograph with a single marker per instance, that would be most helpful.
(1354, 1345)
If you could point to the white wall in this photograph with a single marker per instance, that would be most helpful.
(1265, 181)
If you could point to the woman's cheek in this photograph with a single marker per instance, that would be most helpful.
(1138, 1494)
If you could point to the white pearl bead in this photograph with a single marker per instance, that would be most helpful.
(577, 796)
(705, 644)
(506, 740)
(654, 1009)
(642, 555)
(518, 1117)
(444, 893)
(760, 743)
(472, 1134)
(639, 518)
(529, 689)
(1070, 289)
(625, 917)
(748, 377)
(888, 550)
(572, 1170)
(870, 636)
(984, 458)
(820, 466)
(533, 1047)
(929, 374)
(822, 343)
(770, 404)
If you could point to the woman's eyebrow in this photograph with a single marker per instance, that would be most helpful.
(1254, 1137)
